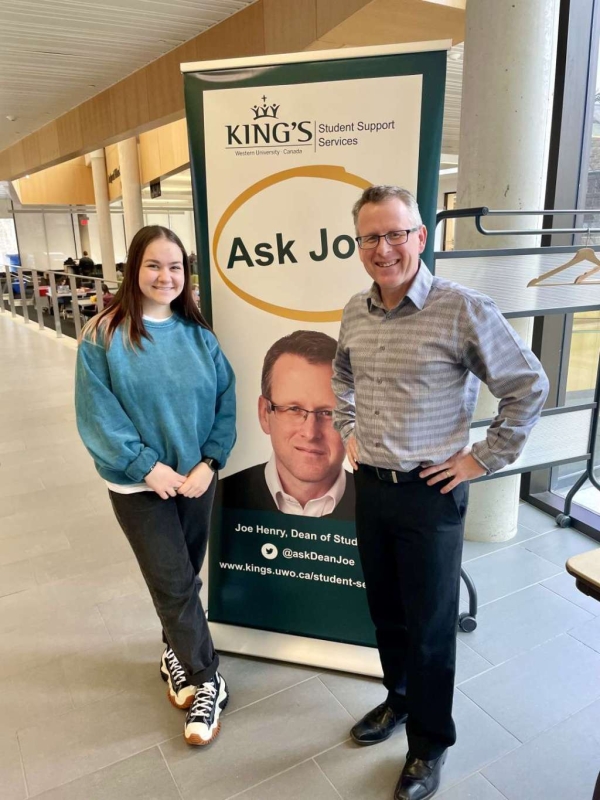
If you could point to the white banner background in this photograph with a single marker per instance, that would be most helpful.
(297, 208)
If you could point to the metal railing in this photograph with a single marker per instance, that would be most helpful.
(60, 300)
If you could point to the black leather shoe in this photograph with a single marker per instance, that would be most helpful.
(377, 726)
(419, 780)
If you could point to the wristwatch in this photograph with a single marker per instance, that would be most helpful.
(212, 463)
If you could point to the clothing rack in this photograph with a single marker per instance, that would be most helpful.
(512, 277)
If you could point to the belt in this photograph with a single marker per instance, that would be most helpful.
(393, 475)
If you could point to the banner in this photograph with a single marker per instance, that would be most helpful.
(281, 149)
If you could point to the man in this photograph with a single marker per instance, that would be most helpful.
(86, 264)
(410, 353)
(304, 475)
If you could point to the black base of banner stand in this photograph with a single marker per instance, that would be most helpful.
(296, 649)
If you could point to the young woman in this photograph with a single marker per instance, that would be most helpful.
(107, 295)
(155, 403)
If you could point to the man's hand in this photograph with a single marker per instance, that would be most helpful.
(197, 481)
(352, 451)
(460, 467)
(164, 481)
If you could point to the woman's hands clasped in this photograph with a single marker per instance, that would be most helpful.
(197, 481)
(164, 481)
(167, 483)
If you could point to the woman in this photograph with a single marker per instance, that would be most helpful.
(155, 403)
(107, 295)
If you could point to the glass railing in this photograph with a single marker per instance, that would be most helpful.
(60, 301)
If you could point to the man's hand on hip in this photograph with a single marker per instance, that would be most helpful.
(352, 451)
(459, 467)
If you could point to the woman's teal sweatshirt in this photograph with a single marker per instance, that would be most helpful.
(171, 401)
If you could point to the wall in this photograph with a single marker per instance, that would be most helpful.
(45, 239)
(66, 184)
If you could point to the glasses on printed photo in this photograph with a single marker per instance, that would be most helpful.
(394, 238)
(294, 415)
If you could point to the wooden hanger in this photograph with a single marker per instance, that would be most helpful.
(585, 254)
(584, 276)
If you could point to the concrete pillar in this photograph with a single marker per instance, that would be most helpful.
(508, 81)
(131, 186)
(84, 233)
(107, 250)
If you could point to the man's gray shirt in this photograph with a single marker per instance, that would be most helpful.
(407, 380)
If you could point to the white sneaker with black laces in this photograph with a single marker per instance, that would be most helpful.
(181, 692)
(202, 723)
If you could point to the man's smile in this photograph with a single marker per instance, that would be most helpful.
(311, 451)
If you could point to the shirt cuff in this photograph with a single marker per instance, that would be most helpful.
(216, 452)
(486, 459)
(141, 466)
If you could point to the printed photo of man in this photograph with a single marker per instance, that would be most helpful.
(304, 475)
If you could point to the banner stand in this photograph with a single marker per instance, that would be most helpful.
(296, 649)
(281, 147)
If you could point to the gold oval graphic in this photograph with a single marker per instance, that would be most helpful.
(318, 171)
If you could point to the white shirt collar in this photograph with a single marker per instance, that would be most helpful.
(314, 508)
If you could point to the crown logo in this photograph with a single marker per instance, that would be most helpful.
(260, 112)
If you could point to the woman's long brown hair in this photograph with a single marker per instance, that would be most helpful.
(127, 307)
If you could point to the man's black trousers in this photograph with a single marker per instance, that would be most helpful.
(410, 542)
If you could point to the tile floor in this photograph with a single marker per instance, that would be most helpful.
(83, 712)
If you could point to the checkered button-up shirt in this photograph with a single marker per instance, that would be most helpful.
(407, 379)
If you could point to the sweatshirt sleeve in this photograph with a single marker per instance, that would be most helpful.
(497, 356)
(109, 435)
(223, 434)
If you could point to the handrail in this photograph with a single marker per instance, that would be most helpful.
(483, 211)
(11, 269)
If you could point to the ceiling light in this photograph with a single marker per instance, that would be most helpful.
(10, 118)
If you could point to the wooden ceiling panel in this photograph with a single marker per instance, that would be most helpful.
(97, 115)
(70, 138)
(392, 21)
(240, 35)
(31, 151)
(332, 12)
(48, 139)
(129, 102)
(17, 159)
(283, 36)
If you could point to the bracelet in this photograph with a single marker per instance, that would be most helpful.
(151, 468)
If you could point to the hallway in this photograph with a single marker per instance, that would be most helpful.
(84, 713)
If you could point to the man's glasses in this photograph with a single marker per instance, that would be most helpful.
(394, 238)
(294, 415)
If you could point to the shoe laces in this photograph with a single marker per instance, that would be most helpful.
(175, 669)
(204, 700)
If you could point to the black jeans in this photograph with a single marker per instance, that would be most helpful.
(410, 542)
(169, 539)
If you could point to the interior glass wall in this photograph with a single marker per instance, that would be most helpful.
(571, 343)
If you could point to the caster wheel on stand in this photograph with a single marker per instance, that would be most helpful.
(563, 520)
(467, 623)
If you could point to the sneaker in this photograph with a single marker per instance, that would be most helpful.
(202, 721)
(181, 692)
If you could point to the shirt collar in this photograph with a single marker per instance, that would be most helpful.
(417, 293)
(279, 495)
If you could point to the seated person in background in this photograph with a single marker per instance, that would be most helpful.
(107, 296)
(120, 271)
